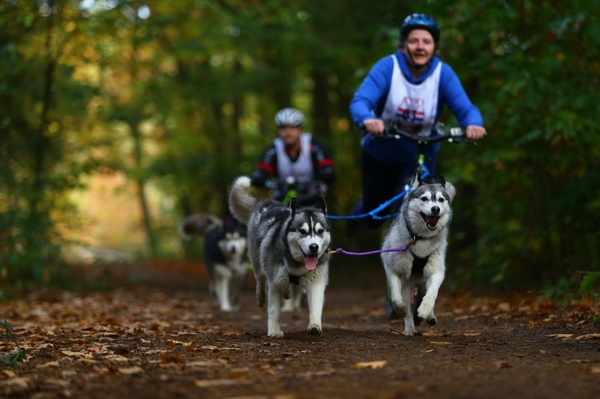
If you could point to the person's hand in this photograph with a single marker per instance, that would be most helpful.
(374, 126)
(475, 132)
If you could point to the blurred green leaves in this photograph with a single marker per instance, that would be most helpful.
(182, 101)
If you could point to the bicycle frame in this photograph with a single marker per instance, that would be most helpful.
(393, 131)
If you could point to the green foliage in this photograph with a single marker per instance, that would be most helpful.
(38, 160)
(182, 101)
(20, 355)
(531, 198)
(566, 290)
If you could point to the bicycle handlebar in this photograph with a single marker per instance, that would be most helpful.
(290, 181)
(452, 135)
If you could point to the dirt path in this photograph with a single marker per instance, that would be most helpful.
(154, 343)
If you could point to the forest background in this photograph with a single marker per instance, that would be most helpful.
(118, 118)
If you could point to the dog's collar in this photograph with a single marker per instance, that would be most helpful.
(413, 236)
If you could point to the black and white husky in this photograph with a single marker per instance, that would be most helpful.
(287, 245)
(224, 254)
(423, 225)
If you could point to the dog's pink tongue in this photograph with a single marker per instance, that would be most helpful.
(311, 262)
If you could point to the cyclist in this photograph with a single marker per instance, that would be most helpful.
(411, 85)
(296, 160)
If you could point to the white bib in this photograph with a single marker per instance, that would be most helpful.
(302, 167)
(414, 105)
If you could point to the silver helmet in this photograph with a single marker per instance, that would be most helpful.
(289, 117)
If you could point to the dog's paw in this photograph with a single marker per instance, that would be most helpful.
(425, 311)
(400, 308)
(429, 317)
(314, 329)
(409, 332)
(275, 334)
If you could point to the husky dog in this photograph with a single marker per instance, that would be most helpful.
(423, 225)
(224, 254)
(287, 245)
(295, 302)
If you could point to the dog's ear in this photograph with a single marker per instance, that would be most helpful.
(450, 190)
(320, 204)
(441, 180)
(449, 187)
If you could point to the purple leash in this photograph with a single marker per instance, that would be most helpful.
(379, 251)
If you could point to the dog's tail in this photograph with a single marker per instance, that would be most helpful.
(241, 202)
(197, 224)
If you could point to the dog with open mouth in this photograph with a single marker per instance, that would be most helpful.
(287, 245)
(421, 229)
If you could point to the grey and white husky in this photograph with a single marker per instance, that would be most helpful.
(423, 225)
(224, 254)
(287, 245)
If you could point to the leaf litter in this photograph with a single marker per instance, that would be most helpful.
(175, 343)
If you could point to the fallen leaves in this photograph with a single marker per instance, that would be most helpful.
(575, 337)
(49, 364)
(80, 343)
(371, 365)
(77, 354)
(220, 382)
(130, 370)
(17, 384)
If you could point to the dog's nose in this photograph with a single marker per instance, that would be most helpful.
(314, 248)
(435, 210)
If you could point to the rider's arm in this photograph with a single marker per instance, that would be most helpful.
(453, 94)
(266, 168)
(323, 163)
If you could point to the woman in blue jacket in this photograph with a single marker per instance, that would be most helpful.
(411, 86)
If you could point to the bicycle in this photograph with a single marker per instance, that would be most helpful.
(394, 131)
(305, 189)
(452, 135)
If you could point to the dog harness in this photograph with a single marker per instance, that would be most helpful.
(418, 263)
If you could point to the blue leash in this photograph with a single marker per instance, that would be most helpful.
(384, 205)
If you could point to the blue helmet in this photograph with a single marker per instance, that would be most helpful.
(420, 21)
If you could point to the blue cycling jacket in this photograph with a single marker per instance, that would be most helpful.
(370, 98)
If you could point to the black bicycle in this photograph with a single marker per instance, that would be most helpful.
(454, 135)
(305, 189)
(451, 135)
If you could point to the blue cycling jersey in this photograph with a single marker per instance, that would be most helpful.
(369, 101)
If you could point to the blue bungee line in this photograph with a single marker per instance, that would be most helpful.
(384, 205)
(375, 216)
